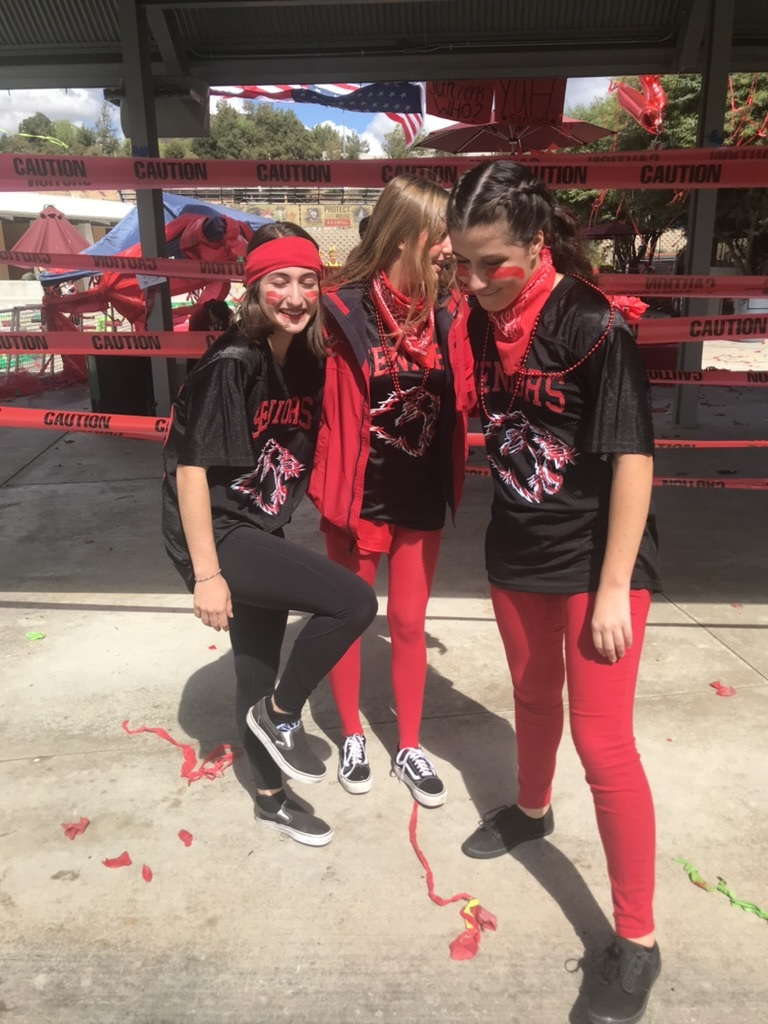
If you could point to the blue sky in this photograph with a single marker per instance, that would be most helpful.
(82, 106)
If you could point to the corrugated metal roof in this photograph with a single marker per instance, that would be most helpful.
(77, 42)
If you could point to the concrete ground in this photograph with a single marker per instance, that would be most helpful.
(244, 926)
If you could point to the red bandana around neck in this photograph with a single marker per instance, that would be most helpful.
(392, 306)
(512, 327)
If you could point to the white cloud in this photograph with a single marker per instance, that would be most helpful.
(584, 90)
(81, 106)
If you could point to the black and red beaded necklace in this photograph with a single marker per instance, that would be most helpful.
(521, 374)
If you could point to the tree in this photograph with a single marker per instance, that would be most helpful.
(742, 215)
(337, 145)
(261, 131)
(106, 136)
(35, 133)
(395, 147)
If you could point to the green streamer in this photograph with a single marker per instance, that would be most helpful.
(721, 887)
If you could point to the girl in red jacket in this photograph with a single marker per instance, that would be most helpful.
(391, 449)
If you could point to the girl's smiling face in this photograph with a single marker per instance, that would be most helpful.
(288, 298)
(493, 266)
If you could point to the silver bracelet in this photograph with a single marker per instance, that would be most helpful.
(206, 578)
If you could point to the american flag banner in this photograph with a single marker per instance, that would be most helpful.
(401, 101)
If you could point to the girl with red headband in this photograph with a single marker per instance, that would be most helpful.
(571, 549)
(237, 461)
(391, 450)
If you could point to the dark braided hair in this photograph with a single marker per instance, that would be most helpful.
(503, 190)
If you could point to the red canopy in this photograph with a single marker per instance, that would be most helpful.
(51, 232)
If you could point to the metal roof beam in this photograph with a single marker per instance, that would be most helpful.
(371, 67)
(175, 63)
(691, 36)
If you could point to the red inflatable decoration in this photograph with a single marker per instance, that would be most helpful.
(646, 107)
(198, 238)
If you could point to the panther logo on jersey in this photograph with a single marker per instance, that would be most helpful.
(543, 455)
(412, 429)
(266, 485)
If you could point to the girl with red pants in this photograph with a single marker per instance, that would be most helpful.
(571, 547)
(391, 449)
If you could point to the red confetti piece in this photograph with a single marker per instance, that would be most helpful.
(75, 828)
(722, 691)
(212, 647)
(146, 873)
(476, 918)
(212, 766)
(123, 861)
(735, 604)
(185, 837)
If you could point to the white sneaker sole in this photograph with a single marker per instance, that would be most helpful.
(355, 788)
(277, 757)
(306, 839)
(425, 799)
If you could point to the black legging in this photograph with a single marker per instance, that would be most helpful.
(269, 576)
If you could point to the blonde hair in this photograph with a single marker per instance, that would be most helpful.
(409, 208)
(251, 319)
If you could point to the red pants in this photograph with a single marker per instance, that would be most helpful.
(547, 638)
(412, 559)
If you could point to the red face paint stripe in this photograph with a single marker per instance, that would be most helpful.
(312, 296)
(272, 298)
(500, 273)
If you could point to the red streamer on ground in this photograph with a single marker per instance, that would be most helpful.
(476, 918)
(123, 861)
(212, 766)
(75, 828)
(721, 690)
(185, 837)
(146, 873)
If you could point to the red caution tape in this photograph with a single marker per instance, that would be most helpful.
(688, 286)
(213, 270)
(696, 328)
(123, 861)
(72, 829)
(112, 343)
(147, 427)
(212, 766)
(702, 483)
(727, 167)
(477, 440)
(476, 918)
(711, 378)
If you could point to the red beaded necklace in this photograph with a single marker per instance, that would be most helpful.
(388, 350)
(523, 373)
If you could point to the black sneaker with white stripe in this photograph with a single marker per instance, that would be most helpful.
(413, 768)
(292, 820)
(354, 771)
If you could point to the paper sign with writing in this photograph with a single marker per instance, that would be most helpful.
(470, 102)
(529, 101)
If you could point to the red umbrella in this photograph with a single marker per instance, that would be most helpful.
(513, 138)
(51, 232)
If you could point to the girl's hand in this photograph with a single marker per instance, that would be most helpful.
(611, 622)
(213, 603)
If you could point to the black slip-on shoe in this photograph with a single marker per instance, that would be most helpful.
(504, 828)
(626, 973)
(292, 820)
(286, 744)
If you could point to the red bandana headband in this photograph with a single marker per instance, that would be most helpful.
(280, 253)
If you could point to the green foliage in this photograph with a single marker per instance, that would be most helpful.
(335, 145)
(395, 148)
(742, 214)
(106, 136)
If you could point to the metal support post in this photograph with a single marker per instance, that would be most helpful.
(701, 215)
(137, 81)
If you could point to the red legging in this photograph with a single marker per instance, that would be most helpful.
(412, 560)
(536, 629)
